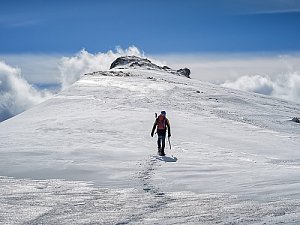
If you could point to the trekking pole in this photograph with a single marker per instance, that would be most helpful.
(169, 142)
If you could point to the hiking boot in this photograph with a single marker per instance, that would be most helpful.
(158, 151)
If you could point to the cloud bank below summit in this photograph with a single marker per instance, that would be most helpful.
(16, 94)
(285, 86)
(273, 75)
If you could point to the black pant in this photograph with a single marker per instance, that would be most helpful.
(161, 142)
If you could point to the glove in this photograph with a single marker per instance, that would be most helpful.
(169, 135)
(151, 134)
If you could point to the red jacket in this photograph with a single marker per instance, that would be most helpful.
(161, 132)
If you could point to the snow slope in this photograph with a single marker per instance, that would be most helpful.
(86, 155)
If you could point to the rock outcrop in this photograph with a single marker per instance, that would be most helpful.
(126, 62)
(185, 72)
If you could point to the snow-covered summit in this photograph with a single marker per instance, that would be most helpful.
(144, 63)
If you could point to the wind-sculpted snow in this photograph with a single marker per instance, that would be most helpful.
(66, 202)
(86, 156)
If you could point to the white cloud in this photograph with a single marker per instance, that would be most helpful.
(285, 86)
(254, 7)
(36, 68)
(74, 67)
(288, 87)
(274, 75)
(16, 95)
(219, 68)
(258, 84)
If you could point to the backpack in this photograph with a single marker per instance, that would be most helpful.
(161, 122)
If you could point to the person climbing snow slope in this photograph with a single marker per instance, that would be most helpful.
(161, 125)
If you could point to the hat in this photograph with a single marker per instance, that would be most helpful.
(163, 113)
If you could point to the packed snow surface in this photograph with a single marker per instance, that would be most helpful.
(86, 156)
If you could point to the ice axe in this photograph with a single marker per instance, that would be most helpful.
(155, 118)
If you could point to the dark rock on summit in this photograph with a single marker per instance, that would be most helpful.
(185, 72)
(133, 61)
(137, 62)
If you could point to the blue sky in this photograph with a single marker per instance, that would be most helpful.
(156, 26)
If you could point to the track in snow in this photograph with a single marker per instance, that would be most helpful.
(65, 202)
